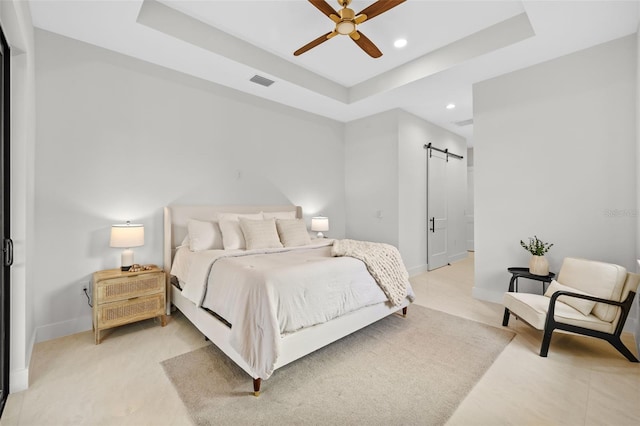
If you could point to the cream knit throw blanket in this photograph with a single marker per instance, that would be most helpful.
(383, 262)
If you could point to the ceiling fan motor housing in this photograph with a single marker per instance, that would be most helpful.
(346, 24)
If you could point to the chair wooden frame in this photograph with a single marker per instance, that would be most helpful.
(613, 338)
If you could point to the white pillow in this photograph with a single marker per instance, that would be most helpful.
(232, 237)
(279, 215)
(293, 232)
(584, 306)
(203, 235)
(185, 242)
(260, 234)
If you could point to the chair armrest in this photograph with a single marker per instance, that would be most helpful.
(554, 297)
(557, 294)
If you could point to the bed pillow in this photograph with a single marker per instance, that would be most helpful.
(185, 242)
(260, 234)
(584, 306)
(232, 237)
(279, 215)
(203, 235)
(293, 232)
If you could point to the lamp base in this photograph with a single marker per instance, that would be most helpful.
(319, 235)
(126, 259)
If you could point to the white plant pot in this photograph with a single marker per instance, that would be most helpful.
(538, 265)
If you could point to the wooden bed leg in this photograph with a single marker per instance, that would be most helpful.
(404, 311)
(256, 386)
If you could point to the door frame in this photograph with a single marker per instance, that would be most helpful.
(7, 245)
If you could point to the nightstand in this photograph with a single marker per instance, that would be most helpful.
(121, 297)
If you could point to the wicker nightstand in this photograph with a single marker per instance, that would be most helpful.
(124, 297)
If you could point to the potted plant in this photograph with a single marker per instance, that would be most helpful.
(538, 264)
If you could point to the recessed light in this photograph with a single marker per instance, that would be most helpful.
(400, 43)
(451, 106)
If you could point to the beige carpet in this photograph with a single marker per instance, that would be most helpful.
(413, 370)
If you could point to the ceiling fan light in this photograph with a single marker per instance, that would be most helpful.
(345, 27)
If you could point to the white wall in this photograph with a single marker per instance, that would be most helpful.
(118, 139)
(555, 156)
(386, 184)
(16, 22)
(371, 178)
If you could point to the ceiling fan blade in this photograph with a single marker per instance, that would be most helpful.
(314, 43)
(324, 7)
(365, 44)
(378, 7)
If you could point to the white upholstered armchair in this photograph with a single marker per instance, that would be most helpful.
(590, 298)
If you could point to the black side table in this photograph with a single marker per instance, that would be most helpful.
(524, 273)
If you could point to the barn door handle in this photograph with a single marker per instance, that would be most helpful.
(433, 224)
(8, 252)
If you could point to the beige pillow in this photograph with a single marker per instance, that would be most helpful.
(260, 234)
(203, 235)
(293, 232)
(232, 237)
(584, 306)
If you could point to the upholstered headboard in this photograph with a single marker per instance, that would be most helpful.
(176, 218)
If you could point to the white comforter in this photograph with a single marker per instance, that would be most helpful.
(267, 293)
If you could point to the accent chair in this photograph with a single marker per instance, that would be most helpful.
(589, 298)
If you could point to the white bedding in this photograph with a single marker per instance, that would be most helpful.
(280, 290)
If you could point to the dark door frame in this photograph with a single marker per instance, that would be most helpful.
(7, 244)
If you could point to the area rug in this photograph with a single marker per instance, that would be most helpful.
(413, 370)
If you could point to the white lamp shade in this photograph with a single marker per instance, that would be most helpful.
(319, 223)
(127, 235)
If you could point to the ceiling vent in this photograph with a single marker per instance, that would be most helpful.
(263, 81)
(463, 122)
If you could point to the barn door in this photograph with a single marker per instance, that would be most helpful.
(436, 209)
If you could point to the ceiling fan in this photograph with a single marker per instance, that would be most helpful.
(347, 23)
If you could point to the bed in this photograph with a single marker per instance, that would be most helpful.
(188, 292)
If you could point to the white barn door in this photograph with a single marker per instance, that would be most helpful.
(436, 209)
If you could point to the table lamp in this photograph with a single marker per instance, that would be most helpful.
(320, 223)
(125, 236)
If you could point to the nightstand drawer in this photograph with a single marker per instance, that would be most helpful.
(115, 289)
(121, 297)
(126, 311)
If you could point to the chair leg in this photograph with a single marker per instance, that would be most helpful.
(546, 341)
(505, 318)
(617, 343)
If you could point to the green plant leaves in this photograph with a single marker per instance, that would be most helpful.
(536, 247)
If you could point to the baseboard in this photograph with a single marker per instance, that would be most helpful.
(18, 380)
(417, 270)
(64, 328)
(487, 295)
(29, 351)
(19, 377)
(633, 326)
(458, 256)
